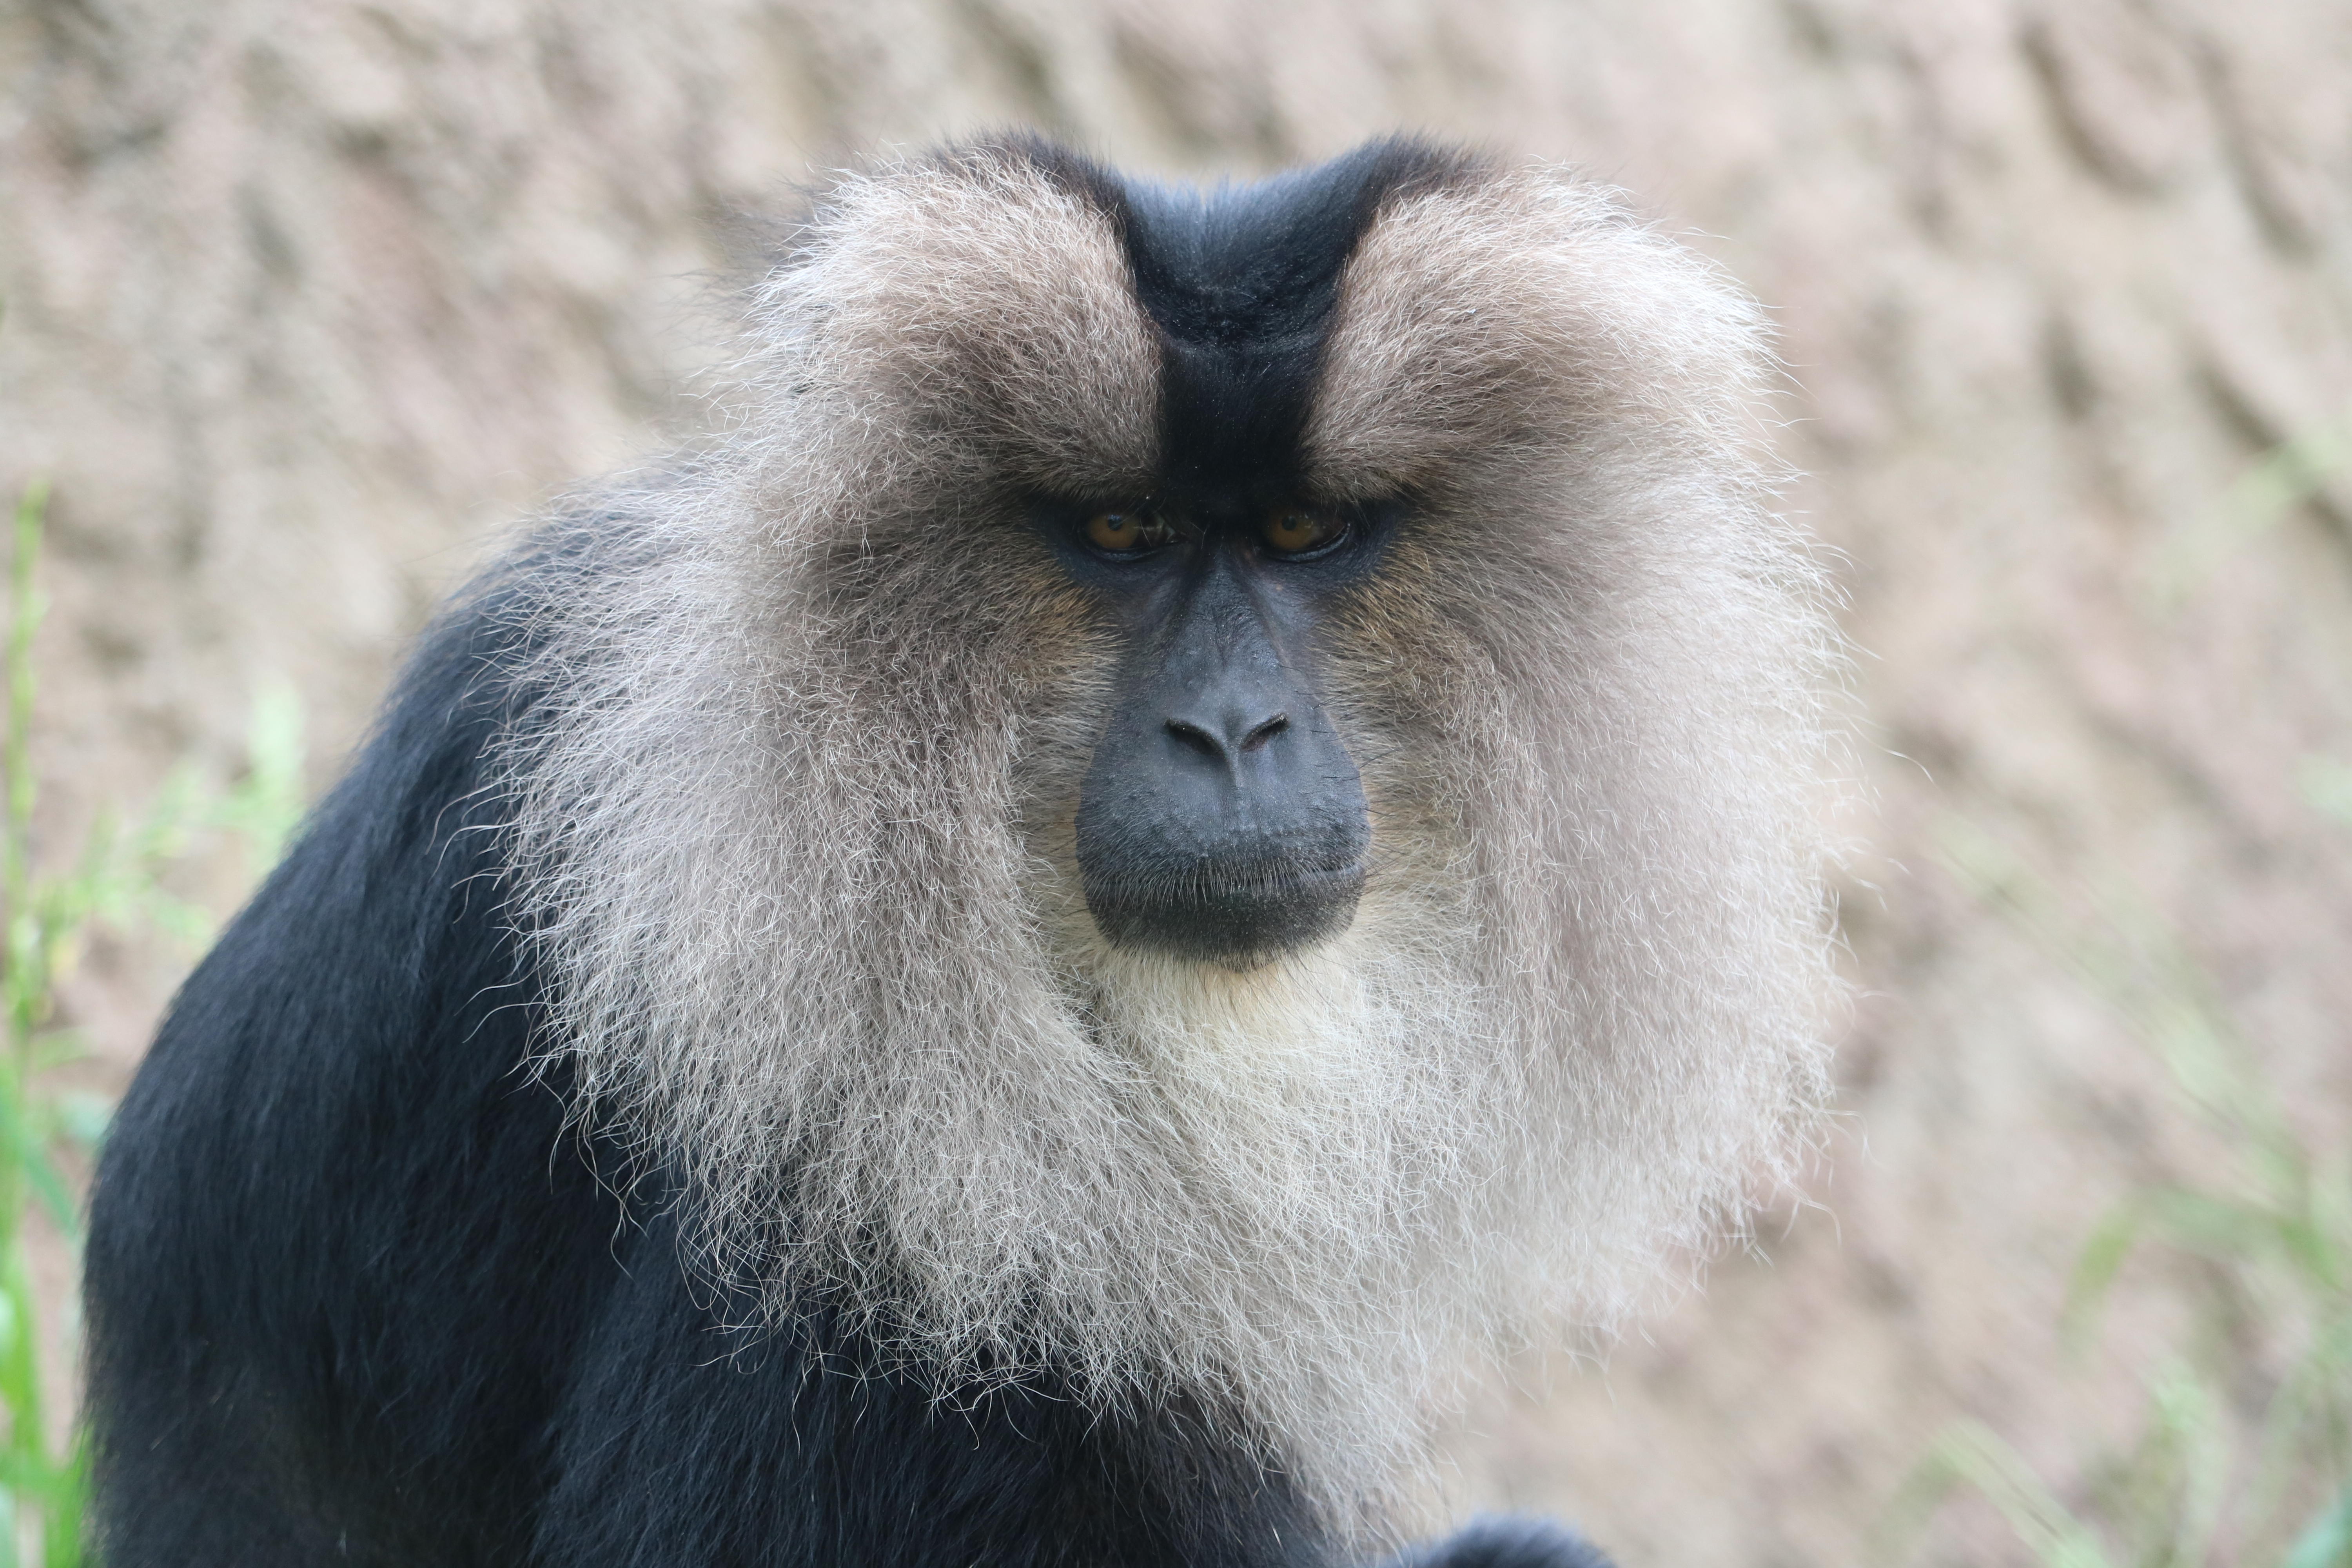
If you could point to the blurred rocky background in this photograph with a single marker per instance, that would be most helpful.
(306, 301)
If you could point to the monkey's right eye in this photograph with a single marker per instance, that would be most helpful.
(1128, 533)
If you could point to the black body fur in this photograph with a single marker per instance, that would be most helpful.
(357, 1292)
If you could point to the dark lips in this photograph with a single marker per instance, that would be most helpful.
(1245, 914)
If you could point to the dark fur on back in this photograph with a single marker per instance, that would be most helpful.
(339, 1264)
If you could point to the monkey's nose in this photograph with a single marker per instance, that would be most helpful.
(1231, 736)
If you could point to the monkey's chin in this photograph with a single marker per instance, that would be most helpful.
(1239, 918)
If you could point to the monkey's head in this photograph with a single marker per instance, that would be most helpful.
(1214, 791)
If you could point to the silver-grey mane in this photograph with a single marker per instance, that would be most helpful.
(792, 841)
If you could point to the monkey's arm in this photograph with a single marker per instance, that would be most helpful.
(684, 1442)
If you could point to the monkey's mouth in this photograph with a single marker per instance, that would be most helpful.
(1239, 915)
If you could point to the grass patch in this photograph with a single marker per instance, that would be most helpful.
(2243, 1454)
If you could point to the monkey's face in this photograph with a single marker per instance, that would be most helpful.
(1222, 816)
(1221, 595)
(1150, 395)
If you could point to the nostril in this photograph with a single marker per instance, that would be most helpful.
(1197, 738)
(1265, 731)
(1215, 740)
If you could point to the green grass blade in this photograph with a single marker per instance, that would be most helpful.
(2327, 1542)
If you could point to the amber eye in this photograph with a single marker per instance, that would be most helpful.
(1296, 531)
(1128, 533)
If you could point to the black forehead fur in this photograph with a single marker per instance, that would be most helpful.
(1241, 281)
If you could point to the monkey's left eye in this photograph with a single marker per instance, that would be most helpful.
(1128, 533)
(1295, 531)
